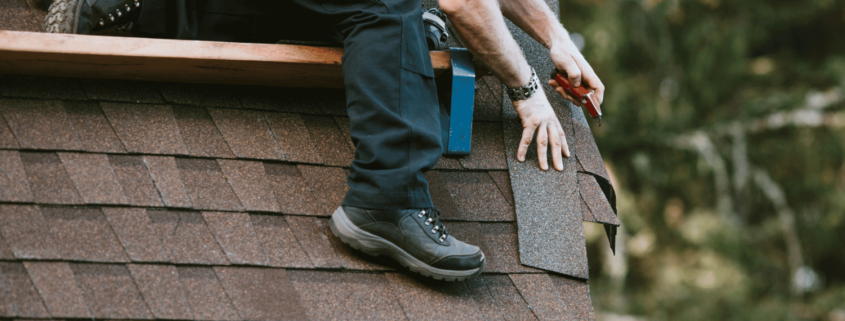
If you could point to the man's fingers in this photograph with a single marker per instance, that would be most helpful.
(542, 146)
(564, 146)
(573, 72)
(554, 140)
(527, 134)
(563, 94)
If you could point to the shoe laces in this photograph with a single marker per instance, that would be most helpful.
(432, 218)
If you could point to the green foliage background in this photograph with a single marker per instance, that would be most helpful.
(725, 133)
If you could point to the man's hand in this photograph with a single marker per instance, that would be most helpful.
(538, 116)
(569, 60)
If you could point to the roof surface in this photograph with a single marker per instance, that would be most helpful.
(136, 200)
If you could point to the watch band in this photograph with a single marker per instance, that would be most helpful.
(524, 92)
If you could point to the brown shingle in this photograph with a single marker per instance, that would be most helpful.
(14, 187)
(448, 163)
(7, 139)
(26, 233)
(133, 229)
(83, 234)
(287, 100)
(345, 127)
(576, 294)
(483, 299)
(56, 285)
(18, 297)
(235, 235)
(261, 293)
(162, 290)
(168, 180)
(502, 241)
(93, 177)
(249, 181)
(477, 196)
(15, 15)
(487, 106)
(40, 87)
(121, 90)
(199, 133)
(280, 245)
(247, 133)
(542, 296)
(93, 129)
(39, 124)
(441, 197)
(293, 193)
(586, 149)
(5, 252)
(206, 296)
(350, 296)
(110, 291)
(135, 179)
(201, 95)
(329, 185)
(206, 185)
(488, 151)
(592, 194)
(148, 129)
(510, 302)
(503, 181)
(293, 137)
(423, 299)
(186, 237)
(329, 141)
(585, 211)
(311, 234)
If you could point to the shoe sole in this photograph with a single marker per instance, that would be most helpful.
(375, 245)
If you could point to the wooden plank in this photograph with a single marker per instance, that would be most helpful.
(84, 56)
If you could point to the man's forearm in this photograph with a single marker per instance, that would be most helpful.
(537, 19)
(481, 26)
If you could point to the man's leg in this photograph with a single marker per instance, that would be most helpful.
(394, 117)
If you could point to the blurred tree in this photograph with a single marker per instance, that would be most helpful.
(725, 132)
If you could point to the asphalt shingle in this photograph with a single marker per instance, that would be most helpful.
(487, 149)
(235, 235)
(199, 133)
(329, 185)
(41, 87)
(261, 293)
(503, 181)
(205, 295)
(280, 245)
(14, 187)
(58, 289)
(311, 234)
(576, 295)
(92, 128)
(186, 237)
(328, 140)
(110, 291)
(206, 185)
(7, 139)
(441, 197)
(48, 179)
(18, 296)
(148, 129)
(40, 124)
(424, 299)
(26, 233)
(508, 300)
(162, 290)
(477, 196)
(249, 181)
(350, 296)
(293, 136)
(94, 178)
(168, 180)
(597, 203)
(200, 95)
(83, 234)
(542, 296)
(293, 193)
(121, 90)
(135, 179)
(134, 230)
(247, 133)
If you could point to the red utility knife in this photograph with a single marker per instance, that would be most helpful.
(587, 97)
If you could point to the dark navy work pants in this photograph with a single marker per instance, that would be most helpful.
(391, 96)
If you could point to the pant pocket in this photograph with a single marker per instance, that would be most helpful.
(415, 54)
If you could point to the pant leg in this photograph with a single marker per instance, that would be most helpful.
(391, 100)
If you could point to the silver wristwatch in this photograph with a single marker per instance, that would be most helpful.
(524, 92)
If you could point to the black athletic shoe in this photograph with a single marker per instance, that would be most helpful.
(416, 238)
(85, 16)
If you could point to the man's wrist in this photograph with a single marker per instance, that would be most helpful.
(525, 91)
